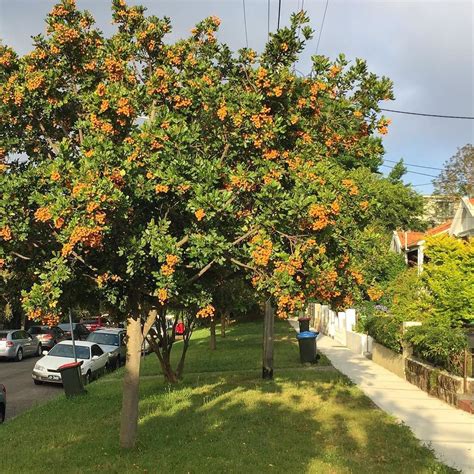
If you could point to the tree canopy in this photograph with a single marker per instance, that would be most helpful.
(457, 177)
(153, 168)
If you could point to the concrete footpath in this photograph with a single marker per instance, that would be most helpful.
(447, 430)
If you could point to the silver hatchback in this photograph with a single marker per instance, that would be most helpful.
(16, 344)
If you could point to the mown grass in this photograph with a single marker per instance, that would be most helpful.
(218, 420)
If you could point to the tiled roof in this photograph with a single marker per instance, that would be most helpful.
(414, 237)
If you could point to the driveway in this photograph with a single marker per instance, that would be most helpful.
(22, 393)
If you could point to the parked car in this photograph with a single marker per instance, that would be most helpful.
(3, 402)
(80, 331)
(93, 357)
(48, 337)
(96, 323)
(111, 341)
(16, 344)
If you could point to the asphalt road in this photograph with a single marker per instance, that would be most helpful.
(22, 393)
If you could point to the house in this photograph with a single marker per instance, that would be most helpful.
(463, 221)
(412, 243)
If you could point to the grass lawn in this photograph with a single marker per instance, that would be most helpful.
(221, 418)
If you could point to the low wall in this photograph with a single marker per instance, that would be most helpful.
(357, 342)
(388, 359)
(436, 382)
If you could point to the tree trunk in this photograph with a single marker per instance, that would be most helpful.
(212, 341)
(131, 381)
(267, 368)
(165, 362)
(180, 368)
(223, 323)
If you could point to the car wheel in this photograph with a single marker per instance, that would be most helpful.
(39, 352)
(87, 378)
(2, 413)
(37, 382)
(19, 355)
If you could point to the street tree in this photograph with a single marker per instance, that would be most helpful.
(457, 177)
(154, 167)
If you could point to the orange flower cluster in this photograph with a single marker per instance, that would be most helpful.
(115, 69)
(162, 295)
(43, 214)
(105, 277)
(222, 111)
(55, 176)
(358, 277)
(270, 154)
(364, 205)
(382, 126)
(334, 70)
(291, 267)
(59, 10)
(262, 78)
(162, 188)
(124, 107)
(88, 236)
(6, 58)
(169, 267)
(206, 312)
(259, 120)
(101, 89)
(200, 214)
(182, 188)
(287, 304)
(6, 233)
(35, 81)
(357, 114)
(78, 188)
(272, 176)
(349, 184)
(374, 293)
(320, 216)
(240, 182)
(325, 286)
(65, 34)
(181, 102)
(262, 252)
(59, 222)
(98, 124)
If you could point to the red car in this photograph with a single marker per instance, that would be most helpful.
(96, 323)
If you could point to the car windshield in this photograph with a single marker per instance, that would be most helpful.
(65, 350)
(104, 338)
(67, 327)
(38, 330)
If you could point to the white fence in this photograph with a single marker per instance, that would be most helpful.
(339, 326)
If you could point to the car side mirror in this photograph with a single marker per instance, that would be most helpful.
(95, 357)
(45, 353)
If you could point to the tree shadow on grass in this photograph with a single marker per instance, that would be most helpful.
(300, 422)
(313, 426)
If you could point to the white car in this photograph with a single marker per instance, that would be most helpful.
(93, 358)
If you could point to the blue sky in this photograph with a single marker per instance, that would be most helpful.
(425, 47)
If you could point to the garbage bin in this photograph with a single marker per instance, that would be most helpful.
(304, 324)
(307, 343)
(72, 379)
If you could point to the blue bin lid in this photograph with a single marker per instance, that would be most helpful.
(307, 335)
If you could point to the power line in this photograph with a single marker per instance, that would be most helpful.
(424, 184)
(462, 117)
(413, 172)
(245, 23)
(416, 166)
(322, 25)
(279, 14)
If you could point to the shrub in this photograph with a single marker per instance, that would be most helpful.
(442, 346)
(386, 330)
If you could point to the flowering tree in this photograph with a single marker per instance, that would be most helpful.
(152, 168)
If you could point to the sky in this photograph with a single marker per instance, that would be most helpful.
(424, 46)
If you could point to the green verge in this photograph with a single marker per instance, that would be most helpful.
(221, 418)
